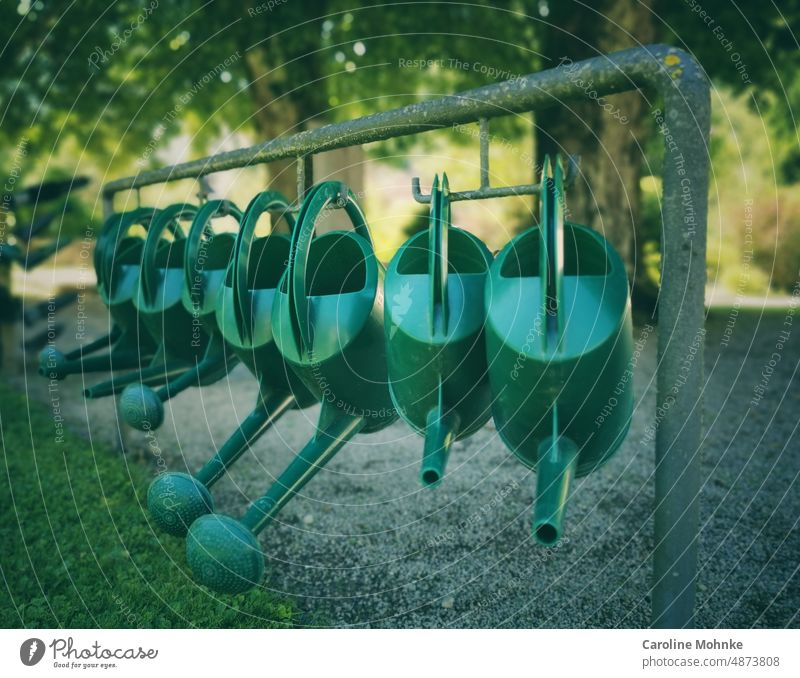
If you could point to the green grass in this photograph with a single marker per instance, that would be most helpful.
(76, 548)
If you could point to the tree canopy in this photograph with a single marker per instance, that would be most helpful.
(118, 80)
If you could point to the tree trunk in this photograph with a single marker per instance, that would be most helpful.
(273, 116)
(295, 111)
(606, 195)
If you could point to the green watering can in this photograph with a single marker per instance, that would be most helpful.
(125, 271)
(243, 312)
(116, 262)
(206, 256)
(558, 343)
(434, 333)
(328, 324)
(159, 298)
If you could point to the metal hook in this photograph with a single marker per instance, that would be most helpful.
(486, 192)
(305, 175)
(205, 189)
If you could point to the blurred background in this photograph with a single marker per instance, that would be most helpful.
(93, 91)
(105, 90)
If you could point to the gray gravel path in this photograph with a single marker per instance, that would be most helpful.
(366, 546)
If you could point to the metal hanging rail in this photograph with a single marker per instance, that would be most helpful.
(674, 77)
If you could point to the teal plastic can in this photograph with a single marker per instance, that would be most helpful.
(243, 312)
(559, 344)
(327, 319)
(435, 318)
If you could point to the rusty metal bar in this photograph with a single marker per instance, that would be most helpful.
(484, 145)
(305, 175)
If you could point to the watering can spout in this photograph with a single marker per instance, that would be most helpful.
(440, 433)
(558, 459)
(224, 553)
(331, 436)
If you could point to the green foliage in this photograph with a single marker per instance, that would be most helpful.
(420, 221)
(110, 73)
(78, 548)
(73, 213)
(751, 49)
(753, 225)
(123, 78)
(92, 83)
(382, 57)
(648, 274)
(777, 243)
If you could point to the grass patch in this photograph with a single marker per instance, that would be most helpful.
(78, 550)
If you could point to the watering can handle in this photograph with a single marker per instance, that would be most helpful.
(317, 199)
(551, 254)
(201, 224)
(114, 229)
(109, 225)
(165, 218)
(437, 252)
(264, 201)
(99, 259)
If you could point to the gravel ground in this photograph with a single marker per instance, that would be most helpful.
(365, 545)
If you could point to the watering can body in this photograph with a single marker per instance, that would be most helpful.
(435, 334)
(334, 338)
(174, 296)
(242, 308)
(586, 374)
(159, 296)
(118, 261)
(244, 305)
(327, 323)
(206, 261)
(559, 344)
(257, 349)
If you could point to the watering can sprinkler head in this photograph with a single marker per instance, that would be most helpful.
(141, 407)
(53, 363)
(176, 500)
(223, 554)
